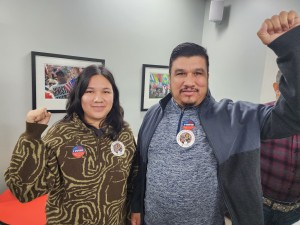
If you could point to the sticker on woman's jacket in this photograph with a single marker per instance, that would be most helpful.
(78, 151)
(185, 138)
(117, 148)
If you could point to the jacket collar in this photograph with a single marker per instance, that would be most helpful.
(208, 98)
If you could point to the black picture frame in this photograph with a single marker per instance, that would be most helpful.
(47, 91)
(155, 84)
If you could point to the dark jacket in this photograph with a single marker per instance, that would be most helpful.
(234, 131)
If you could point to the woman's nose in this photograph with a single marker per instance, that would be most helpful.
(98, 98)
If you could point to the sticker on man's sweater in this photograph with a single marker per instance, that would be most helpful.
(78, 151)
(117, 148)
(188, 125)
(185, 138)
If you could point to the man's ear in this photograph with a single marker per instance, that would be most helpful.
(276, 86)
(276, 89)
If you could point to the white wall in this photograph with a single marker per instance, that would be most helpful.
(238, 58)
(126, 34)
(267, 93)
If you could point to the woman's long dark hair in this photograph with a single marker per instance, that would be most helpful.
(114, 119)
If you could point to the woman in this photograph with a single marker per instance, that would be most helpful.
(84, 162)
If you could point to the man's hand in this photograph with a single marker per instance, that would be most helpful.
(40, 116)
(135, 218)
(277, 25)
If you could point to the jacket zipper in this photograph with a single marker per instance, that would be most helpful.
(179, 122)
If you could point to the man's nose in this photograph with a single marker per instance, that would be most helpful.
(190, 79)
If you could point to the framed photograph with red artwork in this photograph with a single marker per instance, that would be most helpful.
(53, 76)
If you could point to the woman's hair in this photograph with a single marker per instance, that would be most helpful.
(114, 121)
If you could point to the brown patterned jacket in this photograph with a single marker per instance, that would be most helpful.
(87, 181)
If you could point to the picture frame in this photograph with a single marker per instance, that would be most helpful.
(155, 84)
(53, 76)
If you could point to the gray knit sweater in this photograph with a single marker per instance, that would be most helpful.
(182, 186)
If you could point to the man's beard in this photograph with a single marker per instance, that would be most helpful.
(188, 105)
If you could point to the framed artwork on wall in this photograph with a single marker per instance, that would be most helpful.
(53, 77)
(155, 85)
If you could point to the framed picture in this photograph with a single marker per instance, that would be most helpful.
(53, 77)
(155, 85)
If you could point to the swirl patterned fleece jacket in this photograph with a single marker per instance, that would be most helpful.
(87, 178)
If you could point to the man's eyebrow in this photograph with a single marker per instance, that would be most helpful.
(200, 69)
(179, 70)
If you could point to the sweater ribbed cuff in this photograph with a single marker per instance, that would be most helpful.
(35, 130)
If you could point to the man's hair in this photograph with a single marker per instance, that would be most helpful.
(188, 49)
(278, 76)
(116, 114)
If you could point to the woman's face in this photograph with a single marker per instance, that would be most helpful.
(97, 100)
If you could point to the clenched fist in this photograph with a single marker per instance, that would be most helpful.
(277, 25)
(40, 116)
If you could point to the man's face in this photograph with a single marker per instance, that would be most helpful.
(62, 79)
(189, 80)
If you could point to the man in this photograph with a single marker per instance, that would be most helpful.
(280, 176)
(217, 164)
(60, 89)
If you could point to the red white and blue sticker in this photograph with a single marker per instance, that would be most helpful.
(78, 151)
(117, 148)
(185, 138)
(188, 125)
